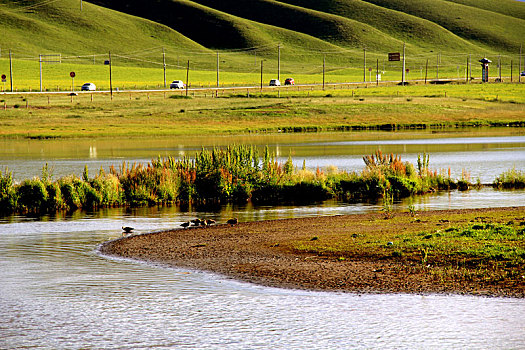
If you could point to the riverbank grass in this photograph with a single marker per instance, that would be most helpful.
(449, 247)
(276, 110)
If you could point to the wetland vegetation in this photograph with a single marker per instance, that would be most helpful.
(232, 174)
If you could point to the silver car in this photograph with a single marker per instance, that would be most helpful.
(177, 84)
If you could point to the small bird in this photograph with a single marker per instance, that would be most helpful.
(197, 222)
(127, 229)
(233, 221)
(185, 224)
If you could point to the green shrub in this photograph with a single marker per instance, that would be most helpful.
(8, 194)
(55, 201)
(32, 196)
(108, 187)
(510, 179)
(402, 187)
(70, 193)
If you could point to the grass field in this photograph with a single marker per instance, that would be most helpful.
(285, 109)
(353, 38)
(55, 77)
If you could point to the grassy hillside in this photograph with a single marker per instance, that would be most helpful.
(511, 8)
(440, 25)
(439, 36)
(60, 27)
(351, 23)
(487, 28)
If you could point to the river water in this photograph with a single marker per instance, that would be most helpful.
(58, 292)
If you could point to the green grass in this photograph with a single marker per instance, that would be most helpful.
(244, 35)
(156, 114)
(452, 247)
(512, 178)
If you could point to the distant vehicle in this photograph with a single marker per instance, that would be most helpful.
(88, 87)
(523, 73)
(275, 82)
(177, 84)
(289, 81)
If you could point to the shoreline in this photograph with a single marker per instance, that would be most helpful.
(272, 253)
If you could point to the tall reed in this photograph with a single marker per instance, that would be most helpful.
(218, 175)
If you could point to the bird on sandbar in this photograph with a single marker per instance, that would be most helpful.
(233, 221)
(197, 222)
(185, 224)
(127, 229)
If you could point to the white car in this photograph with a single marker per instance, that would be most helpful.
(88, 87)
(177, 84)
(275, 82)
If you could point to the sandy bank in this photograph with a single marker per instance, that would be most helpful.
(269, 253)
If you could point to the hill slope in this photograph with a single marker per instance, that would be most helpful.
(307, 30)
(47, 27)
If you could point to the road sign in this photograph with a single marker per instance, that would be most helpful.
(4, 78)
(72, 74)
(394, 56)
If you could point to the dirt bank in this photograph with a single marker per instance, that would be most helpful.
(272, 253)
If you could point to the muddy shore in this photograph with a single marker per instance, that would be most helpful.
(266, 252)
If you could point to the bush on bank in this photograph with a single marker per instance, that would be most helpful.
(232, 174)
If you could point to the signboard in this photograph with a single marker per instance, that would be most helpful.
(72, 74)
(4, 78)
(394, 56)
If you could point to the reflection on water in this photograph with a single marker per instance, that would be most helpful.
(56, 292)
(484, 157)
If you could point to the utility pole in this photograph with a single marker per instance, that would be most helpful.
(40, 60)
(426, 71)
(403, 75)
(324, 64)
(110, 78)
(466, 75)
(377, 72)
(217, 68)
(519, 67)
(437, 67)
(10, 70)
(499, 67)
(164, 65)
(364, 64)
(187, 77)
(261, 75)
(279, 62)
(469, 68)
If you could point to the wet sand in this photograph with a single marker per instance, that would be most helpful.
(265, 252)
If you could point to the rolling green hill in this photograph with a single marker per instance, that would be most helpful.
(303, 32)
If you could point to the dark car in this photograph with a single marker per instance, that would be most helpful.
(289, 81)
(88, 87)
